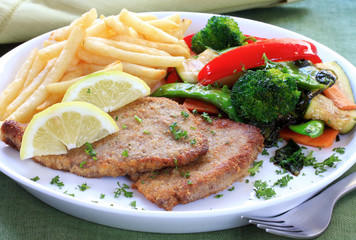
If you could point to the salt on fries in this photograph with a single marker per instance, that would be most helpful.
(137, 43)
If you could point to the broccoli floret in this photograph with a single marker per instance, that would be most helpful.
(221, 32)
(263, 96)
(268, 99)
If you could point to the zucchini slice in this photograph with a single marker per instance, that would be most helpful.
(324, 109)
(191, 67)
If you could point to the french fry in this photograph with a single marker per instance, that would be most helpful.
(143, 71)
(52, 99)
(118, 27)
(86, 68)
(171, 48)
(85, 20)
(60, 88)
(133, 57)
(175, 18)
(12, 90)
(164, 24)
(51, 51)
(132, 47)
(28, 91)
(93, 58)
(185, 23)
(99, 29)
(49, 42)
(60, 34)
(26, 111)
(146, 16)
(71, 75)
(150, 32)
(37, 66)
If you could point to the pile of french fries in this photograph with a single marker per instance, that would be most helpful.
(137, 43)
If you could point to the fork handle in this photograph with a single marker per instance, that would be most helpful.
(342, 187)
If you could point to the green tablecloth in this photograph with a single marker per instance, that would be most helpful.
(329, 22)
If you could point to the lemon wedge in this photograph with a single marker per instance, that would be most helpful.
(107, 90)
(64, 126)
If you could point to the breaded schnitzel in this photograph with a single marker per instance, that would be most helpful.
(147, 141)
(232, 148)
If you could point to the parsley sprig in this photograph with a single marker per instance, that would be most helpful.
(122, 190)
(90, 151)
(55, 181)
(177, 132)
(256, 167)
(263, 190)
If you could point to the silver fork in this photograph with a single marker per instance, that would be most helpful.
(311, 218)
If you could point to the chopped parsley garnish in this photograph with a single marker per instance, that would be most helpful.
(90, 151)
(124, 126)
(82, 164)
(329, 162)
(218, 196)
(146, 132)
(154, 174)
(231, 189)
(125, 153)
(88, 90)
(133, 204)
(55, 181)
(195, 111)
(340, 150)
(35, 179)
(262, 190)
(283, 182)
(283, 171)
(264, 152)
(193, 142)
(185, 174)
(139, 120)
(291, 158)
(177, 132)
(116, 118)
(83, 187)
(256, 167)
(70, 194)
(206, 117)
(102, 196)
(122, 190)
(176, 163)
(189, 182)
(184, 114)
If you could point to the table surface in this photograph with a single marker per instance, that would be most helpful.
(329, 22)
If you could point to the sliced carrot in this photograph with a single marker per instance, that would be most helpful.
(200, 106)
(339, 98)
(325, 140)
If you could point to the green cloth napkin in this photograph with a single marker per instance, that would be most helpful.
(21, 20)
(329, 22)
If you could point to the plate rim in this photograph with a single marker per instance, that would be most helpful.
(174, 214)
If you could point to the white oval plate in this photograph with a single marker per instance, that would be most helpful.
(208, 214)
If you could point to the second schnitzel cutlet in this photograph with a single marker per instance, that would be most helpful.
(232, 149)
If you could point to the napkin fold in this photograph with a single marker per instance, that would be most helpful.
(21, 20)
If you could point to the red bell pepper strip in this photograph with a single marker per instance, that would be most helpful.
(257, 38)
(172, 75)
(188, 40)
(251, 55)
